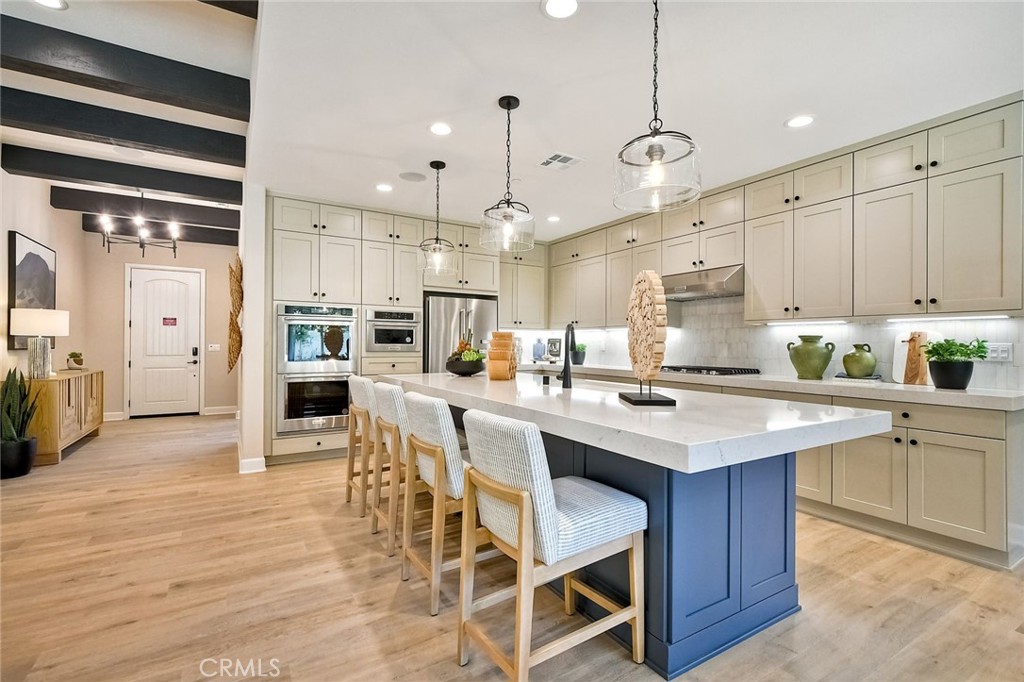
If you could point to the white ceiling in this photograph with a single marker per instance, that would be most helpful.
(345, 91)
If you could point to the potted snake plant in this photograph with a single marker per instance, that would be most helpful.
(17, 450)
(951, 363)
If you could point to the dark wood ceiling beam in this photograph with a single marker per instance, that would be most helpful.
(247, 8)
(43, 51)
(67, 118)
(189, 233)
(122, 206)
(37, 163)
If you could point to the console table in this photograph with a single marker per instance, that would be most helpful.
(69, 407)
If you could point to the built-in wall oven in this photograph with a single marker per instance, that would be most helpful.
(316, 351)
(393, 331)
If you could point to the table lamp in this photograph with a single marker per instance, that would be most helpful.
(38, 324)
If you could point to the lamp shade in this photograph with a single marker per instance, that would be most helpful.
(40, 322)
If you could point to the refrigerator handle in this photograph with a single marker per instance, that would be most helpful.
(462, 324)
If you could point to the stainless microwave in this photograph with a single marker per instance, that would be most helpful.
(390, 330)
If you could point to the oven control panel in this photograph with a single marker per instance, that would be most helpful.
(289, 309)
(393, 315)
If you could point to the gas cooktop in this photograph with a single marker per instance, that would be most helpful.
(698, 369)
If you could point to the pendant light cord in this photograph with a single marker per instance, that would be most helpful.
(437, 210)
(655, 123)
(508, 155)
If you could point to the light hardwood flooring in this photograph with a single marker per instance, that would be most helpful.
(145, 553)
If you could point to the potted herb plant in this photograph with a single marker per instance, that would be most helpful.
(578, 354)
(75, 360)
(17, 450)
(951, 363)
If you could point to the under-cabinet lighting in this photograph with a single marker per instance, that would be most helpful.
(793, 323)
(948, 319)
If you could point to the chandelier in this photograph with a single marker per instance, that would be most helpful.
(143, 234)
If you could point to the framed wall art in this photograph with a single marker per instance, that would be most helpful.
(31, 279)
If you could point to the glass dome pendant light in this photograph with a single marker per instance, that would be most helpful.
(439, 255)
(658, 170)
(508, 225)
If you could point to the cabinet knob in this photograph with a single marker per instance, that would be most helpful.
(905, 415)
(398, 236)
(318, 443)
(315, 294)
(796, 309)
(460, 281)
(390, 298)
(628, 240)
(796, 198)
(392, 365)
(913, 441)
(695, 224)
(391, 236)
(694, 263)
(917, 301)
(397, 299)
(785, 201)
(323, 293)
(315, 226)
(933, 164)
(701, 262)
(897, 439)
(918, 167)
(933, 300)
(786, 309)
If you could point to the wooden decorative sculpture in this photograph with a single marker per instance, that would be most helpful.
(234, 330)
(647, 320)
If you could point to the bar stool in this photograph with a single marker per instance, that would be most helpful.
(551, 528)
(361, 435)
(392, 433)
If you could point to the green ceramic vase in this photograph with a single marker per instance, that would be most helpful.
(810, 357)
(860, 362)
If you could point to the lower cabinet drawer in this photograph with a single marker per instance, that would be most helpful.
(392, 365)
(965, 420)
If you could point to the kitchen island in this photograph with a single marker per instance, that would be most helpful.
(718, 475)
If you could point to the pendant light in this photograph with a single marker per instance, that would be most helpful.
(508, 225)
(438, 254)
(143, 236)
(658, 170)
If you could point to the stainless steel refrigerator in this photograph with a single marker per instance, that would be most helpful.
(448, 317)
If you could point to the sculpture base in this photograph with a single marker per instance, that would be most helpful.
(647, 399)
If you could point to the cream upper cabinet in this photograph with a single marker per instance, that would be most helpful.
(680, 254)
(823, 260)
(619, 284)
(721, 246)
(563, 295)
(378, 271)
(563, 252)
(647, 230)
(471, 242)
(538, 256)
(869, 475)
(452, 233)
(619, 237)
(507, 295)
(295, 215)
(338, 221)
(768, 267)
(591, 245)
(523, 300)
(974, 239)
(983, 138)
(957, 486)
(720, 209)
(590, 292)
(768, 196)
(408, 285)
(681, 221)
(296, 266)
(891, 163)
(480, 273)
(823, 181)
(408, 231)
(890, 250)
(340, 276)
(378, 227)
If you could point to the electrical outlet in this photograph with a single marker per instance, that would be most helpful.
(1000, 352)
(213, 347)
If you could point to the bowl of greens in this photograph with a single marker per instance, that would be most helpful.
(465, 361)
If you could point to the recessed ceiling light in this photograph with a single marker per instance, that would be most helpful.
(410, 176)
(559, 9)
(799, 121)
(441, 128)
(53, 4)
(553, 219)
(384, 187)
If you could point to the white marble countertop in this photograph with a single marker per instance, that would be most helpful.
(703, 431)
(980, 398)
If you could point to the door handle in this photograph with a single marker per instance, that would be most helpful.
(193, 362)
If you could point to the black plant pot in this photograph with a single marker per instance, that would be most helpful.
(17, 457)
(577, 356)
(464, 368)
(956, 374)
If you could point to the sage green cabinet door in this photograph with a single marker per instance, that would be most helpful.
(957, 486)
(295, 216)
(869, 475)
(562, 309)
(680, 254)
(976, 140)
(681, 221)
(296, 266)
(590, 292)
(823, 181)
(890, 250)
(823, 260)
(975, 240)
(891, 163)
(720, 209)
(340, 276)
(768, 267)
(768, 196)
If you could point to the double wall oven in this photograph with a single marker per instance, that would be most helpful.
(316, 350)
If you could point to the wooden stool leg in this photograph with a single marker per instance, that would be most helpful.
(524, 620)
(636, 594)
(570, 594)
(437, 544)
(378, 474)
(366, 450)
(412, 474)
(467, 568)
(395, 492)
(350, 465)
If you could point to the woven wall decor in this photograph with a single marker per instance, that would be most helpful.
(234, 330)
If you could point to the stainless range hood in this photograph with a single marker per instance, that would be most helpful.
(714, 283)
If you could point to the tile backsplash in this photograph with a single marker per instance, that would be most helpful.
(712, 332)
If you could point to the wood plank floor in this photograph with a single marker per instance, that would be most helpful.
(145, 553)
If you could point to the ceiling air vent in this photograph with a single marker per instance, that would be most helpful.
(560, 161)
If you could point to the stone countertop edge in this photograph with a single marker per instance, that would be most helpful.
(714, 437)
(978, 398)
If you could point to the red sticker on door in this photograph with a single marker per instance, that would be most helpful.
(170, 322)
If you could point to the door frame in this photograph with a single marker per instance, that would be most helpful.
(128, 267)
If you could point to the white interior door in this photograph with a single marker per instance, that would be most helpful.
(165, 342)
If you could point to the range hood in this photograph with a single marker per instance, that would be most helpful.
(714, 283)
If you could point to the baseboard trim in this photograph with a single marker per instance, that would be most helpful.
(252, 465)
(221, 409)
(114, 416)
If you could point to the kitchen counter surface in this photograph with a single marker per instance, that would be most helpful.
(703, 431)
(980, 398)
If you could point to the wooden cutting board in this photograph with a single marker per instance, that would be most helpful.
(909, 367)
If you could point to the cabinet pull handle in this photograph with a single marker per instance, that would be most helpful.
(897, 439)
(933, 300)
(785, 201)
(796, 198)
(918, 167)
(905, 415)
(913, 441)
(917, 301)
(933, 164)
